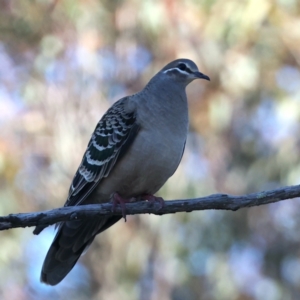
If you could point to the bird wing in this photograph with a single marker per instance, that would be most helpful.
(111, 138)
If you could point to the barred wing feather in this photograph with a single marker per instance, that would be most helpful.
(112, 136)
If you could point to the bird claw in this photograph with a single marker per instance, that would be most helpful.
(117, 199)
(153, 199)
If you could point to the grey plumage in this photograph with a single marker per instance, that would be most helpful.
(136, 146)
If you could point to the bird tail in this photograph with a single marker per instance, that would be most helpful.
(71, 240)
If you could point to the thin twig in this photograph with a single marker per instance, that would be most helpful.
(216, 201)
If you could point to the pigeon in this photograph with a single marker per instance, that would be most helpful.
(135, 148)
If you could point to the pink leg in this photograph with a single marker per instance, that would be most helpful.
(117, 199)
(153, 199)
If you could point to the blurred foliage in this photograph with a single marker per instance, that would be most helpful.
(64, 62)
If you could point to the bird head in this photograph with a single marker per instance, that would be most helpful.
(182, 71)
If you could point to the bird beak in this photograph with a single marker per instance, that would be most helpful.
(201, 76)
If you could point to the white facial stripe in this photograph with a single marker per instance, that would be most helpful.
(181, 71)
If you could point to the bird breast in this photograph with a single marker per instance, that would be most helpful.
(152, 158)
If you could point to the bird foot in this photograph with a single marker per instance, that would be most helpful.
(117, 199)
(153, 199)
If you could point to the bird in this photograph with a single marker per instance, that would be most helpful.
(135, 148)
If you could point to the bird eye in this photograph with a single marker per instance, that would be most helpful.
(182, 66)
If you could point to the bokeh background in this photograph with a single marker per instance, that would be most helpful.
(64, 62)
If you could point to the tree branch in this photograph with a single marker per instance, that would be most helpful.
(216, 201)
